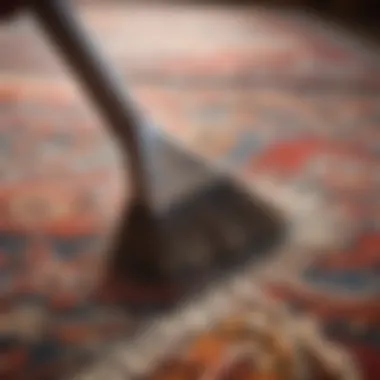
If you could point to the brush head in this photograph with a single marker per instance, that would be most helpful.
(199, 227)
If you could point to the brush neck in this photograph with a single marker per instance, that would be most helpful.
(102, 85)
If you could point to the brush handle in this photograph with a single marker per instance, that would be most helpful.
(8, 8)
(101, 83)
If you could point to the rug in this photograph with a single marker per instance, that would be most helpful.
(288, 104)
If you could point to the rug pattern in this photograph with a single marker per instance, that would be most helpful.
(304, 116)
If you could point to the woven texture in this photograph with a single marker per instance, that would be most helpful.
(289, 105)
